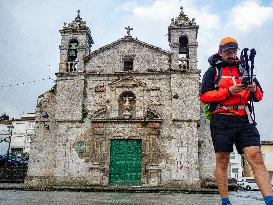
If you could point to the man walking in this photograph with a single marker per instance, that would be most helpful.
(227, 98)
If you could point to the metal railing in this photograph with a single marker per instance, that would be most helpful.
(71, 66)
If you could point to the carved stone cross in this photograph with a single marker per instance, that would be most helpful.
(78, 18)
(181, 12)
(128, 30)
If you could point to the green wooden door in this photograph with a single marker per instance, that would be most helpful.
(125, 162)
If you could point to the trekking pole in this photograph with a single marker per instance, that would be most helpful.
(244, 61)
(251, 58)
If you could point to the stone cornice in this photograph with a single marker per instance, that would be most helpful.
(128, 39)
(106, 120)
(71, 76)
(185, 120)
(68, 121)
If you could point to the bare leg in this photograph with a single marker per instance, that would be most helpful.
(254, 157)
(221, 175)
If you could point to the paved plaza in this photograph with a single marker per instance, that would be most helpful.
(19, 197)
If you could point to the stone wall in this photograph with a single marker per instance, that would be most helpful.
(170, 145)
(42, 156)
(185, 102)
(70, 89)
(151, 91)
(206, 151)
(109, 59)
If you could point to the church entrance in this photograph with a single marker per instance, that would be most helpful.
(125, 162)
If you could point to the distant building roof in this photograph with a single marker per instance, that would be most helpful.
(26, 117)
(6, 122)
(267, 142)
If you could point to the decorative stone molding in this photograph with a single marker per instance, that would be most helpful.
(100, 87)
(100, 114)
(128, 39)
(76, 24)
(153, 174)
(127, 105)
(183, 20)
(127, 82)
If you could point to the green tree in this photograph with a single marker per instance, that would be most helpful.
(4, 116)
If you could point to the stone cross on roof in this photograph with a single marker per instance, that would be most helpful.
(181, 12)
(128, 30)
(78, 16)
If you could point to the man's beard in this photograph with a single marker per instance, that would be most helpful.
(230, 60)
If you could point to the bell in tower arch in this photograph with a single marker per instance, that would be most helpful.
(183, 47)
(73, 50)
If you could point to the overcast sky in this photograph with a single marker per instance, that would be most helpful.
(30, 38)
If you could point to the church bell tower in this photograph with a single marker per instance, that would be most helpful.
(76, 43)
(182, 37)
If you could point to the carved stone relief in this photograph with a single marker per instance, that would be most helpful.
(100, 87)
(127, 103)
(155, 96)
(100, 99)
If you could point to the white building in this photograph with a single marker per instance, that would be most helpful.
(236, 168)
(23, 129)
(267, 151)
(4, 136)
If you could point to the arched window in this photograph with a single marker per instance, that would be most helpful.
(183, 47)
(127, 105)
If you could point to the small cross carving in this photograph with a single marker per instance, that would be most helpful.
(128, 28)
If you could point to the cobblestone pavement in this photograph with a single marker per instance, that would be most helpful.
(12, 197)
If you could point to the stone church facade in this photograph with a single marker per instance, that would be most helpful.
(126, 114)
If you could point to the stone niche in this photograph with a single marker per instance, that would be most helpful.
(127, 105)
(127, 98)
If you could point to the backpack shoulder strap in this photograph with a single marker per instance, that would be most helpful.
(218, 75)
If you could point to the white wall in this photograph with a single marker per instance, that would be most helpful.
(3, 134)
(236, 168)
(268, 158)
(22, 132)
